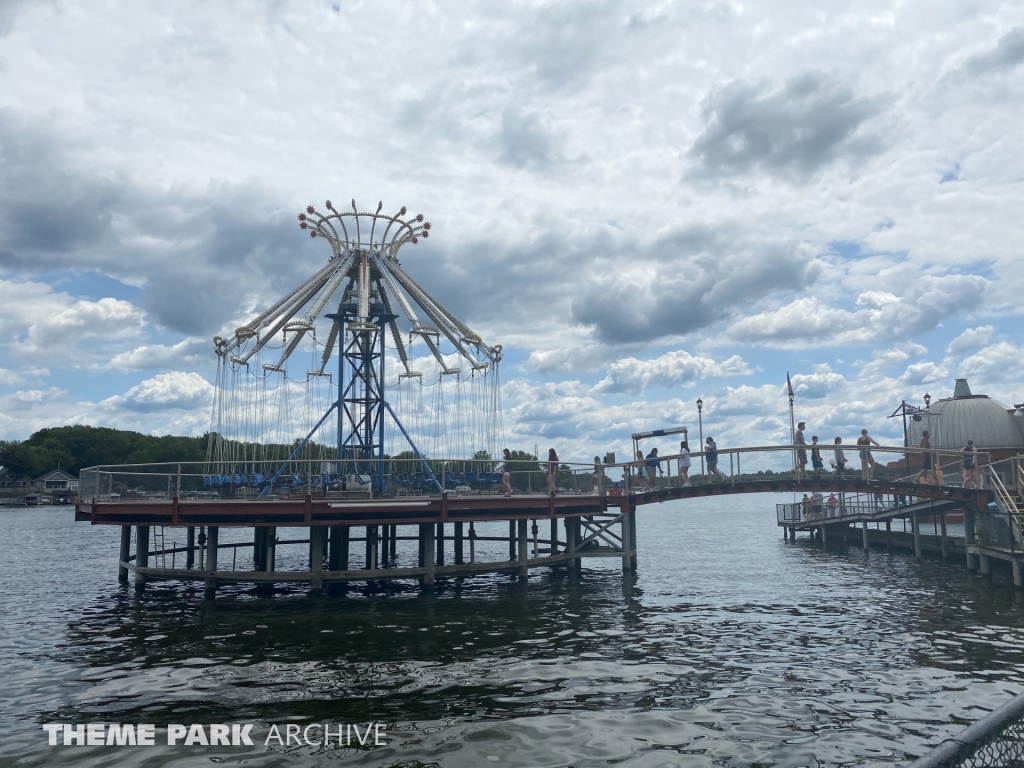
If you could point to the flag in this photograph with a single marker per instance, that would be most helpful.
(789, 385)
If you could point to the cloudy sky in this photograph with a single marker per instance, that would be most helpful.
(643, 203)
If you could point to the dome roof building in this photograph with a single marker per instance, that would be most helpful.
(966, 416)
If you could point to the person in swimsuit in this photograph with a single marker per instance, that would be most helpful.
(866, 459)
(597, 478)
(816, 463)
(552, 471)
(684, 462)
(506, 471)
(969, 465)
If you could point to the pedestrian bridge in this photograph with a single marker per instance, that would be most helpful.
(419, 535)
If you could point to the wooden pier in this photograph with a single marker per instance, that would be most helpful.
(577, 527)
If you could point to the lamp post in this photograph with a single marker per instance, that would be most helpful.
(700, 424)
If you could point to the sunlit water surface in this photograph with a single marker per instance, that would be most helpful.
(730, 647)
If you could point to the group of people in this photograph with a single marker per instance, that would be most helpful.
(649, 466)
(815, 505)
(839, 460)
(931, 473)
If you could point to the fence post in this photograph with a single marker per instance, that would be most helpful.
(177, 491)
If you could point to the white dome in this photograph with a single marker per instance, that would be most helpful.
(964, 417)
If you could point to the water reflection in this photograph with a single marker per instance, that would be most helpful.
(729, 648)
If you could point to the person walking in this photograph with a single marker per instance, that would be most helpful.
(926, 445)
(711, 455)
(801, 453)
(597, 478)
(816, 463)
(652, 465)
(683, 463)
(969, 465)
(506, 471)
(865, 441)
(839, 462)
(641, 475)
(552, 471)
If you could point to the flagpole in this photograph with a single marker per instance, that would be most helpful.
(792, 425)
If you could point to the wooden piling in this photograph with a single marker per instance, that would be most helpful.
(985, 565)
(459, 560)
(393, 546)
(316, 557)
(632, 540)
(888, 535)
(524, 550)
(427, 537)
(916, 527)
(126, 552)
(627, 547)
(472, 542)
(553, 549)
(190, 546)
(945, 544)
(370, 548)
(1018, 577)
(970, 539)
(337, 557)
(864, 535)
(212, 540)
(141, 554)
(439, 543)
(511, 539)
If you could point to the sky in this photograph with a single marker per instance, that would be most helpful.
(642, 203)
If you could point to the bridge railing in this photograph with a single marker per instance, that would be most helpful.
(284, 477)
(734, 465)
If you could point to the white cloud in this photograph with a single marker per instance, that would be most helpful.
(165, 391)
(106, 319)
(1002, 362)
(9, 378)
(970, 340)
(807, 322)
(156, 356)
(633, 376)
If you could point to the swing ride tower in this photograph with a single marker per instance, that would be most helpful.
(366, 305)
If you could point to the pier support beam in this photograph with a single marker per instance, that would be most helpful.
(371, 547)
(970, 539)
(126, 552)
(888, 535)
(427, 544)
(916, 525)
(945, 541)
(512, 540)
(864, 535)
(141, 554)
(317, 538)
(337, 557)
(1018, 576)
(554, 536)
(627, 542)
(986, 565)
(524, 549)
(632, 540)
(459, 536)
(190, 546)
(212, 540)
(439, 543)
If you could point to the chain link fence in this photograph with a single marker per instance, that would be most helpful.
(995, 740)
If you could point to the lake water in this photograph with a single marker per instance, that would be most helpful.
(729, 648)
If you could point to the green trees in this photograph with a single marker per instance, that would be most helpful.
(75, 447)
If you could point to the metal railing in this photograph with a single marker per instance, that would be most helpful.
(400, 476)
(995, 740)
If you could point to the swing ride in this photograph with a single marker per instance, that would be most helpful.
(355, 415)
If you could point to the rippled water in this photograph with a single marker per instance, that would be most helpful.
(730, 647)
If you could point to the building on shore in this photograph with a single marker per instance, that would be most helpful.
(952, 421)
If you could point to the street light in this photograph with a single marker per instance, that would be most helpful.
(700, 424)
(927, 400)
